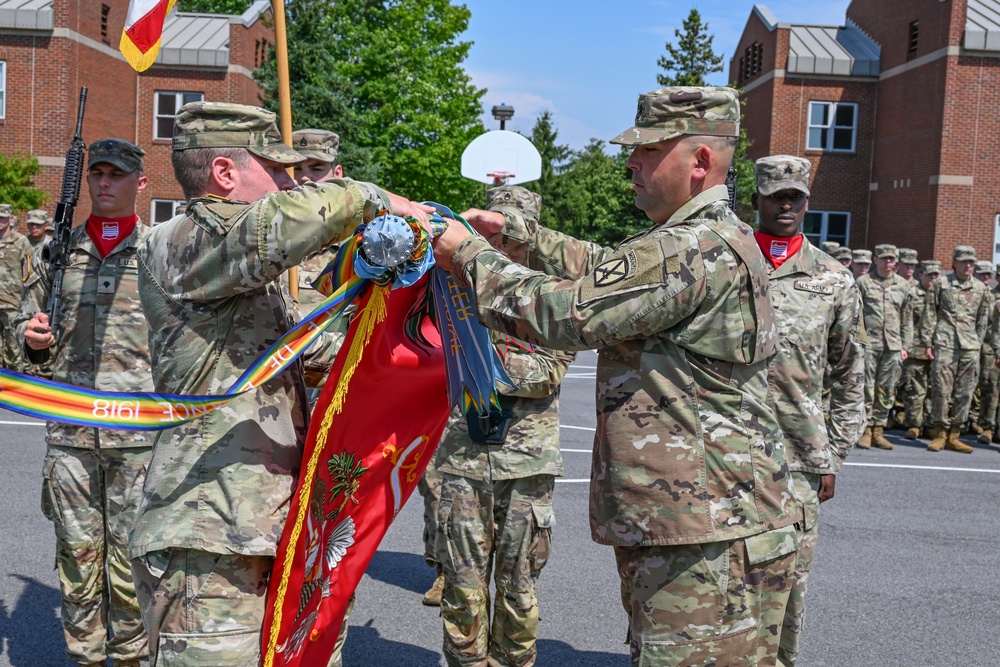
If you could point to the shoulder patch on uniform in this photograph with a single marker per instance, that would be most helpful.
(25, 269)
(813, 286)
(615, 270)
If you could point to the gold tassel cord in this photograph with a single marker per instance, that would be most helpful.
(375, 312)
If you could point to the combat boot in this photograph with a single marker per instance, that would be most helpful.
(938, 438)
(912, 433)
(866, 439)
(956, 445)
(986, 437)
(976, 428)
(879, 438)
(432, 598)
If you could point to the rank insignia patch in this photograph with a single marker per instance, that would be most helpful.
(615, 270)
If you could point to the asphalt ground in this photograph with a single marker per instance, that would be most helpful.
(905, 573)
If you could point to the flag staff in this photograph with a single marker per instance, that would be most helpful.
(284, 104)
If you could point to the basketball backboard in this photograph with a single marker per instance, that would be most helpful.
(501, 157)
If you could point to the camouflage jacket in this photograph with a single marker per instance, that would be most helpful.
(35, 245)
(919, 298)
(888, 308)
(15, 250)
(686, 449)
(103, 342)
(319, 358)
(818, 309)
(532, 446)
(209, 288)
(956, 314)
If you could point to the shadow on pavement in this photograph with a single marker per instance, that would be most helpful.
(365, 646)
(30, 634)
(407, 571)
(553, 653)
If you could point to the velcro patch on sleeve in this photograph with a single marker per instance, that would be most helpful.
(636, 268)
(25, 269)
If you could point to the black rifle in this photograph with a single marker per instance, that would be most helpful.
(731, 186)
(56, 251)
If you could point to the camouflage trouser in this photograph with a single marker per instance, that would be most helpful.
(202, 609)
(707, 605)
(91, 496)
(882, 371)
(989, 392)
(807, 493)
(429, 487)
(10, 352)
(916, 393)
(506, 525)
(954, 374)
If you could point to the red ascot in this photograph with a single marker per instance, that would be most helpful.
(106, 233)
(778, 249)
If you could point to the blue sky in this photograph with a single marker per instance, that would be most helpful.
(586, 61)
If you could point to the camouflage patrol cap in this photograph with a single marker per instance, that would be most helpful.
(842, 253)
(930, 267)
(782, 172)
(884, 250)
(982, 266)
(225, 125)
(964, 253)
(829, 246)
(908, 256)
(525, 200)
(319, 145)
(861, 256)
(6, 210)
(123, 154)
(37, 216)
(667, 113)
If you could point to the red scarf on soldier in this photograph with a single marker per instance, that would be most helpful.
(778, 249)
(106, 233)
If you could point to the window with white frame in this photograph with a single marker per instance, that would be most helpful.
(164, 209)
(166, 105)
(820, 226)
(3, 88)
(833, 126)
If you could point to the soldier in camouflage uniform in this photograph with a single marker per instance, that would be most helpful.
(216, 496)
(35, 225)
(861, 262)
(818, 311)
(888, 314)
(984, 420)
(15, 251)
(92, 477)
(829, 247)
(952, 332)
(843, 255)
(916, 368)
(689, 480)
(495, 515)
(906, 268)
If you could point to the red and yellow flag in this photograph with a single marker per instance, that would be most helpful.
(140, 42)
(376, 426)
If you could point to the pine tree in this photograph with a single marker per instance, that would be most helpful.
(692, 60)
(545, 136)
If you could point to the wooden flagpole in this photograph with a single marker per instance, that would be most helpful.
(284, 104)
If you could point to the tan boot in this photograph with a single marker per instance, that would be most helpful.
(976, 428)
(912, 433)
(432, 598)
(956, 445)
(986, 437)
(938, 439)
(866, 439)
(878, 439)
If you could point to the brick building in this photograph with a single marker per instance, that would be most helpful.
(50, 48)
(896, 110)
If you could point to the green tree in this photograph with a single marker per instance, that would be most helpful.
(691, 61)
(596, 201)
(16, 185)
(688, 64)
(545, 136)
(386, 75)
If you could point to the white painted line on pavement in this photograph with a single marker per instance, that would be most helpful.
(577, 451)
(559, 480)
(574, 366)
(580, 375)
(912, 467)
(578, 428)
(22, 423)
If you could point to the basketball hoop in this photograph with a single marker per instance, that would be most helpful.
(500, 177)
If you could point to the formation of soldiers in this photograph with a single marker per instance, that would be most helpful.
(933, 337)
(737, 370)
